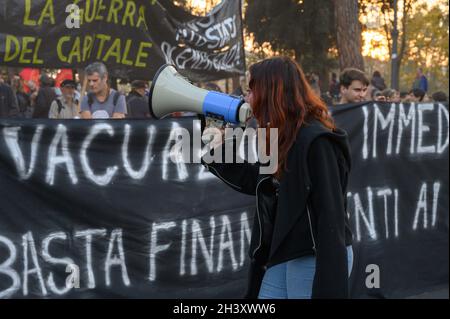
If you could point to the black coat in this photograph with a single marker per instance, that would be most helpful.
(137, 106)
(302, 214)
(8, 102)
(44, 99)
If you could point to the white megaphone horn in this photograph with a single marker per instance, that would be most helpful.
(171, 92)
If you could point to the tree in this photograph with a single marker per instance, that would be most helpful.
(423, 37)
(348, 31)
(427, 47)
(387, 8)
(303, 29)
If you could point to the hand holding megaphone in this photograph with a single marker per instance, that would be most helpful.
(170, 92)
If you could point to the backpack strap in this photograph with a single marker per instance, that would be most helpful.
(128, 100)
(90, 97)
(116, 97)
(60, 106)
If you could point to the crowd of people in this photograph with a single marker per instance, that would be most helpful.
(102, 101)
(354, 86)
(46, 101)
(303, 247)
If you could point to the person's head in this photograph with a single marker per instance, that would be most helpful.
(45, 80)
(439, 96)
(97, 77)
(419, 72)
(395, 98)
(281, 98)
(427, 98)
(404, 96)
(378, 96)
(243, 82)
(391, 95)
(353, 84)
(17, 84)
(68, 89)
(376, 74)
(416, 95)
(139, 86)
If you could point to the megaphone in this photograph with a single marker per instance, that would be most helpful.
(171, 92)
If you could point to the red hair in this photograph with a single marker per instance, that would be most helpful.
(283, 99)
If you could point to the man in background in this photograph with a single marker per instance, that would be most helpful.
(66, 105)
(416, 96)
(421, 81)
(101, 101)
(8, 101)
(439, 96)
(45, 96)
(353, 86)
(137, 101)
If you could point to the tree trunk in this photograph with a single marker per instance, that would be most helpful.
(348, 31)
(406, 8)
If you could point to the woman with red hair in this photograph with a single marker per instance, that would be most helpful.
(301, 238)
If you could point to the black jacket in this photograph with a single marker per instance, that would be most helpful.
(137, 106)
(44, 99)
(8, 102)
(302, 214)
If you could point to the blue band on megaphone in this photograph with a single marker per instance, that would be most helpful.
(223, 106)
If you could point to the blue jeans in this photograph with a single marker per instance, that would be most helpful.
(293, 279)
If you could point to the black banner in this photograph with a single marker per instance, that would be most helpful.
(93, 209)
(133, 38)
